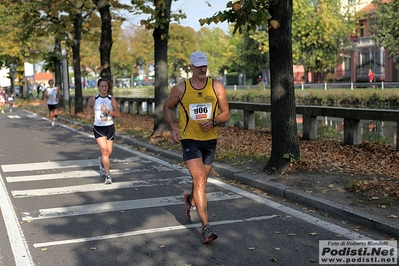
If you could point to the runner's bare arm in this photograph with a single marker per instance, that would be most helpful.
(224, 114)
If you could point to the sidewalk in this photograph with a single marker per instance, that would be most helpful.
(336, 203)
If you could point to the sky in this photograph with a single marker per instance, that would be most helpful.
(195, 9)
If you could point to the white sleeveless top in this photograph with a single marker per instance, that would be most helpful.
(52, 95)
(101, 118)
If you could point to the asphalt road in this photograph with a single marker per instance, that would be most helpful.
(57, 211)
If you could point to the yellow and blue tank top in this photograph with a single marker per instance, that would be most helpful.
(194, 106)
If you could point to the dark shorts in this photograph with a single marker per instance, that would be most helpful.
(204, 149)
(107, 131)
(52, 107)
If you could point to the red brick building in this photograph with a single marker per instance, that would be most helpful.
(357, 60)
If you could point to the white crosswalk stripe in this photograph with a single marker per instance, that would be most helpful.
(73, 169)
(119, 206)
(14, 116)
(77, 169)
(93, 187)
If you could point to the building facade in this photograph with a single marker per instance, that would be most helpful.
(360, 57)
(366, 55)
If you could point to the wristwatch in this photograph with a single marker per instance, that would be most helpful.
(214, 123)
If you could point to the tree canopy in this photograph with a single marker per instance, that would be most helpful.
(384, 24)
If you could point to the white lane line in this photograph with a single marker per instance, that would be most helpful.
(146, 231)
(14, 116)
(76, 174)
(97, 187)
(70, 174)
(48, 165)
(16, 237)
(135, 165)
(62, 212)
(305, 217)
(300, 215)
(292, 212)
(77, 189)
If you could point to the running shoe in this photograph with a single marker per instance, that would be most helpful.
(191, 211)
(108, 179)
(101, 164)
(208, 234)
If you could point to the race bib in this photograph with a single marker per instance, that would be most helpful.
(200, 111)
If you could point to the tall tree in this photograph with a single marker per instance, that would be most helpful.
(106, 42)
(183, 41)
(160, 16)
(103, 7)
(78, 12)
(254, 53)
(18, 35)
(142, 47)
(283, 116)
(122, 54)
(384, 26)
(214, 41)
(320, 32)
(278, 13)
(160, 34)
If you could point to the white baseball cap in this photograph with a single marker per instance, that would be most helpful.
(198, 59)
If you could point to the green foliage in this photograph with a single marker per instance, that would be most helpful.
(216, 43)
(246, 15)
(384, 25)
(182, 43)
(291, 158)
(252, 59)
(319, 30)
(158, 14)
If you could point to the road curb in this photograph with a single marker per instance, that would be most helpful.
(271, 187)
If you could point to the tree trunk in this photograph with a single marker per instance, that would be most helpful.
(285, 143)
(160, 35)
(57, 68)
(106, 38)
(77, 25)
